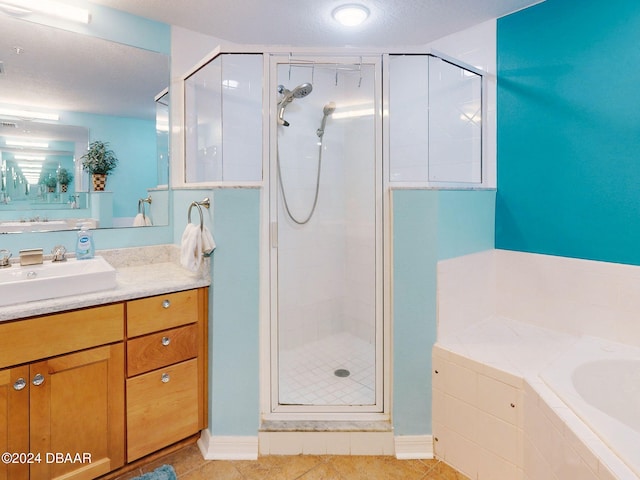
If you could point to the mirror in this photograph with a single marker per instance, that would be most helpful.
(100, 90)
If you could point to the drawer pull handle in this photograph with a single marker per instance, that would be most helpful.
(165, 378)
(19, 384)
(38, 379)
(166, 304)
(166, 341)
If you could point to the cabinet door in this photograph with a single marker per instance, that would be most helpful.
(77, 413)
(14, 420)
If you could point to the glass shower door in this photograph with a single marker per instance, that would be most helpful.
(327, 269)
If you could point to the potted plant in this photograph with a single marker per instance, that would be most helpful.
(64, 178)
(51, 182)
(99, 161)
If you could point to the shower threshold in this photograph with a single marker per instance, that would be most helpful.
(326, 426)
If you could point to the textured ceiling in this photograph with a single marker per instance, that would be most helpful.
(309, 23)
(65, 71)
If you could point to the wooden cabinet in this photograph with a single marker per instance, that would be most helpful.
(14, 419)
(166, 370)
(82, 392)
(78, 411)
(63, 416)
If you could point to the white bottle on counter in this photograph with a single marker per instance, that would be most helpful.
(84, 244)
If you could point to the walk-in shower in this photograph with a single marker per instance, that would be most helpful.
(326, 239)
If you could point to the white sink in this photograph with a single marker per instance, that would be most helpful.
(55, 279)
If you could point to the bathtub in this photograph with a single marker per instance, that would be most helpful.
(599, 380)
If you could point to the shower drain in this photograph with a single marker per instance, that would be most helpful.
(342, 372)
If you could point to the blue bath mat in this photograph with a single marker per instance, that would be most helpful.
(165, 472)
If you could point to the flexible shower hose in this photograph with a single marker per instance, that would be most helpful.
(282, 189)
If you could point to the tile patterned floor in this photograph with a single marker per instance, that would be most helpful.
(189, 465)
(307, 372)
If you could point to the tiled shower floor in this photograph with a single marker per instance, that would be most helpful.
(307, 372)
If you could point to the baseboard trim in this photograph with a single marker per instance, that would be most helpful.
(409, 447)
(228, 447)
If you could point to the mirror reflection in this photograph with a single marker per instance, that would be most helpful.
(90, 89)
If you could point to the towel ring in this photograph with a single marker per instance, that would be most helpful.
(206, 203)
(141, 203)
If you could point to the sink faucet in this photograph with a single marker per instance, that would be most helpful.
(59, 252)
(5, 255)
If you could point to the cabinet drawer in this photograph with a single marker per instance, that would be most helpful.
(162, 408)
(153, 314)
(161, 349)
(23, 341)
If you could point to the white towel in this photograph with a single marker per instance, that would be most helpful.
(191, 248)
(208, 243)
(138, 221)
(142, 221)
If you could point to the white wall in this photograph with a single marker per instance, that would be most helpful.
(410, 106)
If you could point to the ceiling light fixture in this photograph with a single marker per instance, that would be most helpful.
(49, 7)
(350, 15)
(28, 143)
(33, 158)
(12, 112)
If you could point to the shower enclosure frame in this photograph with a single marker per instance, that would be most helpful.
(270, 407)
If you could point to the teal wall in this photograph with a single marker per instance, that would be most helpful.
(234, 304)
(134, 142)
(235, 314)
(569, 130)
(428, 226)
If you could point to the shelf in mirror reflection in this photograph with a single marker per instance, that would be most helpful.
(47, 226)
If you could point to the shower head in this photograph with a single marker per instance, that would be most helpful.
(299, 92)
(328, 109)
(302, 90)
(287, 97)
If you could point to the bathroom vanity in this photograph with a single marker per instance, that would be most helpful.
(87, 390)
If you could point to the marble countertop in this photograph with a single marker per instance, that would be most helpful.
(138, 274)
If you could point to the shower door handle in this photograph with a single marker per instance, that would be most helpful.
(274, 234)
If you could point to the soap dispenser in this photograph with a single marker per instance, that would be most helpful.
(84, 245)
